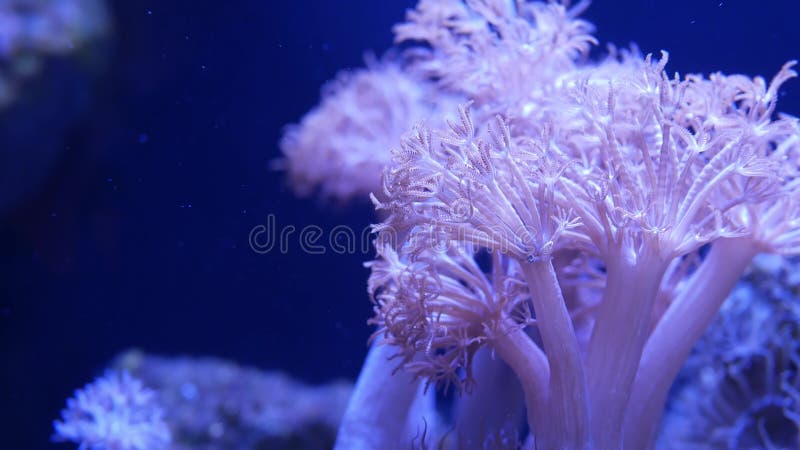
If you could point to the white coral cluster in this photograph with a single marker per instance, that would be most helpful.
(115, 412)
(339, 149)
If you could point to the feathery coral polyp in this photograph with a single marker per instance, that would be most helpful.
(115, 412)
(339, 148)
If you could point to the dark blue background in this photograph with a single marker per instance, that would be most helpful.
(138, 236)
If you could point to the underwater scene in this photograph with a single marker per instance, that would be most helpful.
(399, 224)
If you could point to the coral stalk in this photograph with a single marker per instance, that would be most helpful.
(569, 416)
(617, 341)
(495, 403)
(530, 365)
(378, 410)
(677, 332)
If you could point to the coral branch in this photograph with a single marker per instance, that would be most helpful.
(530, 365)
(378, 410)
(569, 416)
(677, 332)
(618, 339)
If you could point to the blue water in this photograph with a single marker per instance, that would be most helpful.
(156, 166)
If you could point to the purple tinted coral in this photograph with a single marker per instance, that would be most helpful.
(114, 412)
(740, 389)
(339, 148)
(620, 205)
(213, 404)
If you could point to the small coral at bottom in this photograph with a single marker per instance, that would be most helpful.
(114, 412)
(214, 404)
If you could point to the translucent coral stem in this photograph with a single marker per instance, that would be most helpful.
(677, 332)
(618, 339)
(568, 404)
(529, 363)
(494, 404)
(378, 409)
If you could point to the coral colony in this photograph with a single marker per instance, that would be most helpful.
(577, 223)
(116, 411)
(556, 236)
(148, 402)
